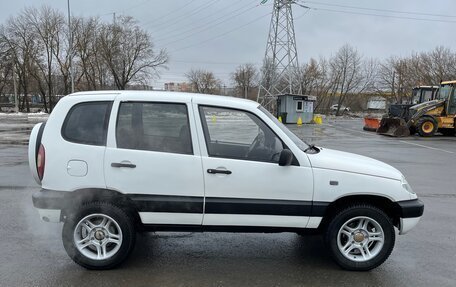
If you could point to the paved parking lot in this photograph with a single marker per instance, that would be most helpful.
(32, 253)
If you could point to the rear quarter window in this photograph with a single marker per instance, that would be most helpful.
(87, 123)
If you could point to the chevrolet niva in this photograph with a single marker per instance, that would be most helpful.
(113, 163)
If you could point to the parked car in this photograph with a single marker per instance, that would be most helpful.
(333, 108)
(114, 163)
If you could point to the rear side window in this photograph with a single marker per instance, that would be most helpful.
(87, 123)
(162, 127)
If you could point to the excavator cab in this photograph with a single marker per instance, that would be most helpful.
(451, 104)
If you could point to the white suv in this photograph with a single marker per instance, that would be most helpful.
(113, 163)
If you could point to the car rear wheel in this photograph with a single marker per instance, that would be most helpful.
(360, 237)
(98, 235)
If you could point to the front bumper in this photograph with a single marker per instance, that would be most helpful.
(410, 208)
(410, 212)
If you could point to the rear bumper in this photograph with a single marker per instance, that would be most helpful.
(49, 204)
(49, 199)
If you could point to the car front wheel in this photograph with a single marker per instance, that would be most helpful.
(98, 235)
(360, 237)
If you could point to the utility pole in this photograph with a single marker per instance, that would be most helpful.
(70, 48)
(280, 63)
(16, 100)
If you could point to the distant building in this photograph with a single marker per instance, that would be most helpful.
(292, 107)
(376, 103)
(178, 87)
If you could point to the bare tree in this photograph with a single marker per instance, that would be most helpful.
(128, 52)
(18, 35)
(46, 25)
(6, 66)
(346, 68)
(245, 80)
(93, 70)
(203, 82)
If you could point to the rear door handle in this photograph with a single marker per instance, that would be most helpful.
(222, 171)
(120, 164)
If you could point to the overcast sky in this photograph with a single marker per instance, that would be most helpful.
(218, 35)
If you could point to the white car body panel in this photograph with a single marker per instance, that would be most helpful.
(358, 164)
(407, 224)
(56, 176)
(170, 174)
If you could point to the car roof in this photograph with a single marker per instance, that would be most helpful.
(179, 96)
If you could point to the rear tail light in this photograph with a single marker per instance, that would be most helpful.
(40, 161)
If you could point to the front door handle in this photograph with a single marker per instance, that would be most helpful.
(121, 164)
(222, 171)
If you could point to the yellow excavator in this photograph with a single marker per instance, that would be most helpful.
(429, 117)
(435, 116)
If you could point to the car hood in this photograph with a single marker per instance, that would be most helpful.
(349, 162)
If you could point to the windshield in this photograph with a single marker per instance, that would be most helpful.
(302, 145)
(415, 96)
(444, 91)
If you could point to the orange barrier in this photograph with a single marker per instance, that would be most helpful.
(371, 124)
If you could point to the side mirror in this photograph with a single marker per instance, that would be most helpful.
(286, 157)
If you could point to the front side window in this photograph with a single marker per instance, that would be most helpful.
(237, 134)
(87, 123)
(416, 96)
(427, 95)
(162, 127)
(444, 91)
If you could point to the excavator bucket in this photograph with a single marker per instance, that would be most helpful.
(394, 127)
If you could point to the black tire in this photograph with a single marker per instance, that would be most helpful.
(351, 213)
(120, 217)
(412, 130)
(447, 132)
(423, 125)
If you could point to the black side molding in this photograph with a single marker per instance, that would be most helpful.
(410, 208)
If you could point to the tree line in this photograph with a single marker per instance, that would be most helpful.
(341, 78)
(35, 55)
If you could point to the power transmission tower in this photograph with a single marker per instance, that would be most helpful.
(280, 63)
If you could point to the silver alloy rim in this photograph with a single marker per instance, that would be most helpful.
(360, 239)
(98, 236)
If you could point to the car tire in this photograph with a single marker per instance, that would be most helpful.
(427, 126)
(98, 235)
(360, 237)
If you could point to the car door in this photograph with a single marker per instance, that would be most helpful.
(152, 156)
(244, 185)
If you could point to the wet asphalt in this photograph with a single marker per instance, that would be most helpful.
(32, 254)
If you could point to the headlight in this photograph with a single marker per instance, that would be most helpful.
(406, 185)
